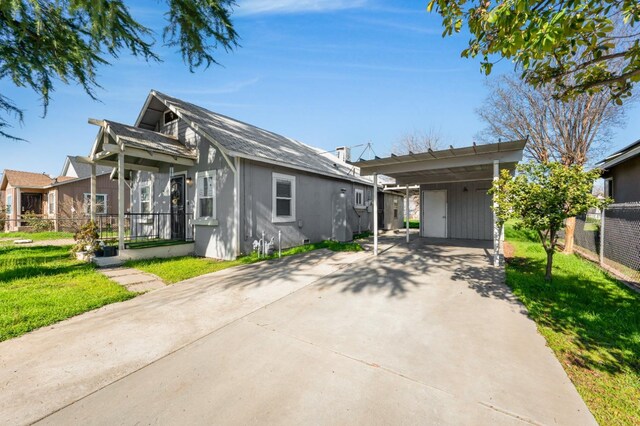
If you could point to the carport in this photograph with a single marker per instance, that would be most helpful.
(454, 202)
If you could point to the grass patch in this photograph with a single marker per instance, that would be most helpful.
(413, 224)
(590, 321)
(42, 285)
(362, 235)
(176, 269)
(36, 236)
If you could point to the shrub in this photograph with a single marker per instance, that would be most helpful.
(37, 223)
(86, 239)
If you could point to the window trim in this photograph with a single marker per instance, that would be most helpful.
(146, 184)
(196, 213)
(357, 191)
(608, 187)
(87, 205)
(164, 117)
(51, 205)
(274, 180)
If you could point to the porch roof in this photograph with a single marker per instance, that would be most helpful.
(448, 165)
(143, 149)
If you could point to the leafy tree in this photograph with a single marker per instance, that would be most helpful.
(578, 45)
(569, 131)
(43, 41)
(541, 196)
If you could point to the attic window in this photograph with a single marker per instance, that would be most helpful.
(170, 116)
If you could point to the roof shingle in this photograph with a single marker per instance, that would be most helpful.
(243, 139)
(20, 179)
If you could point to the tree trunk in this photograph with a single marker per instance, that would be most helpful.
(547, 275)
(569, 230)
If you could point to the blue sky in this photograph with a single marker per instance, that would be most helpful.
(326, 72)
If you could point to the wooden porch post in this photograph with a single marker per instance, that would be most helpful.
(496, 229)
(406, 211)
(93, 192)
(120, 201)
(375, 214)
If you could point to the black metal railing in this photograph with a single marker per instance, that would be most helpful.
(145, 227)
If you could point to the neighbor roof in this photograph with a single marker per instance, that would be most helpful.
(19, 179)
(82, 169)
(628, 152)
(251, 142)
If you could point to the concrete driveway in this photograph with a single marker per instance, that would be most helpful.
(424, 334)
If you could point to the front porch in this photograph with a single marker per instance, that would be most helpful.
(142, 234)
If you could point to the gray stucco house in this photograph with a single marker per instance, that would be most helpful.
(201, 176)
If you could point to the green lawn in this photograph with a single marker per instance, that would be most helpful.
(43, 285)
(177, 269)
(589, 320)
(36, 236)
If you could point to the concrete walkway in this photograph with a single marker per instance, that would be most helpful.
(133, 279)
(423, 334)
(56, 242)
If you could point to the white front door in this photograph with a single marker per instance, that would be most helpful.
(434, 213)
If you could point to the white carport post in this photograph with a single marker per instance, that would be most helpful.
(406, 211)
(375, 214)
(92, 202)
(496, 228)
(120, 201)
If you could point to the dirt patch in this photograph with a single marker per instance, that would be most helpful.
(508, 250)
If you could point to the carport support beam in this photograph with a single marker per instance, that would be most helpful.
(496, 228)
(375, 214)
(406, 212)
(120, 202)
(92, 206)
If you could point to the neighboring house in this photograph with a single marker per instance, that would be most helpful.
(63, 200)
(225, 183)
(621, 174)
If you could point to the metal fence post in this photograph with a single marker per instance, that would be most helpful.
(602, 236)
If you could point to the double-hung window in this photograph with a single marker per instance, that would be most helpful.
(51, 202)
(101, 203)
(358, 198)
(284, 198)
(9, 203)
(146, 201)
(206, 186)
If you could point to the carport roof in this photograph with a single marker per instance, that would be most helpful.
(448, 165)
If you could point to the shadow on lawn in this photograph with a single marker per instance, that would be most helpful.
(599, 315)
(44, 270)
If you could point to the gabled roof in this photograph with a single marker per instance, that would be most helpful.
(75, 168)
(626, 153)
(19, 179)
(142, 139)
(243, 140)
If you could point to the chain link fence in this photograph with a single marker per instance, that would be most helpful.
(613, 238)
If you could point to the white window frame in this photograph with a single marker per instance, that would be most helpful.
(9, 206)
(274, 180)
(146, 184)
(213, 175)
(355, 198)
(87, 203)
(51, 203)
